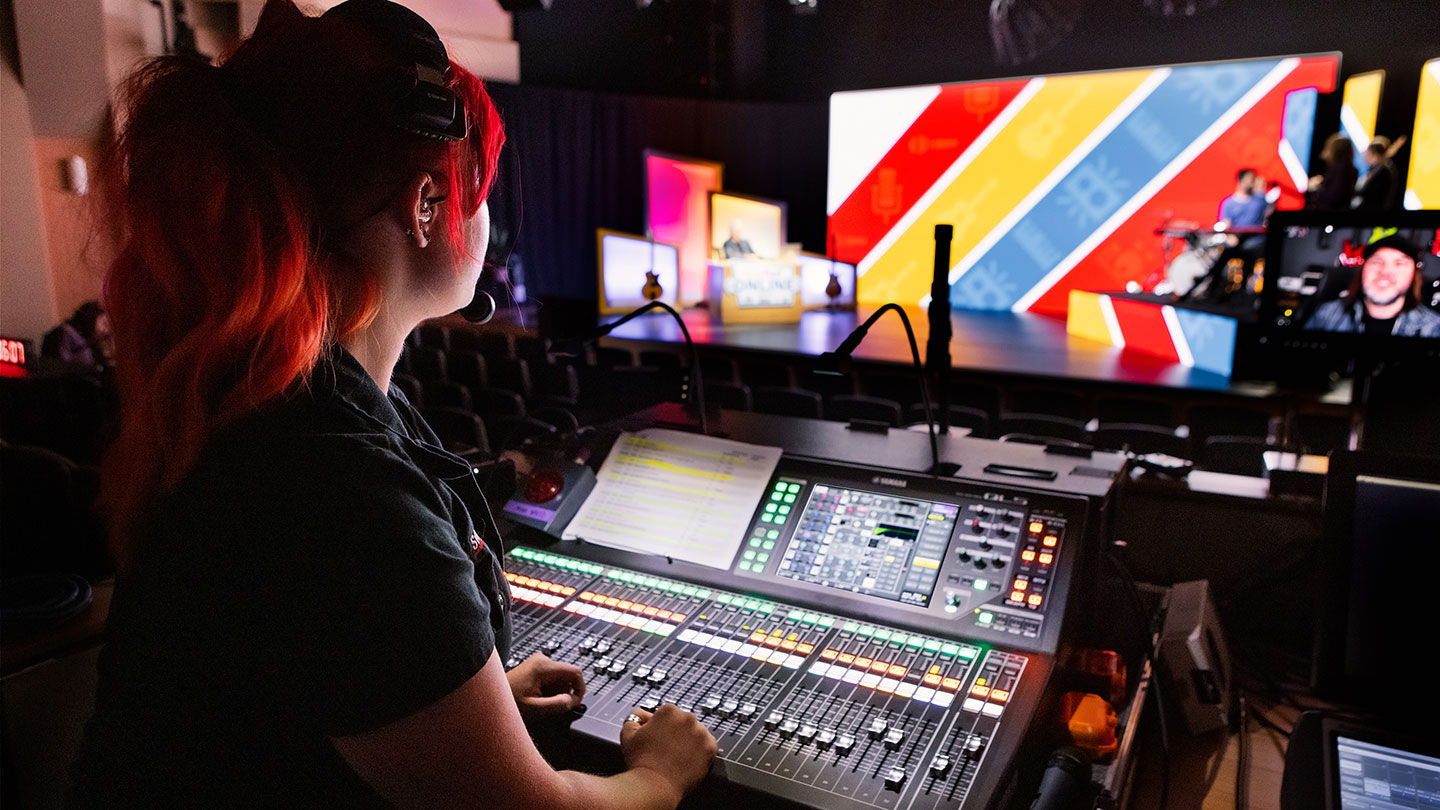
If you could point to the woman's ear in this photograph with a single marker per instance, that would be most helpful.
(416, 210)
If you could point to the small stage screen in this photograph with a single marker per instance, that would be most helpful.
(816, 273)
(633, 268)
(886, 546)
(1358, 276)
(743, 227)
(1055, 183)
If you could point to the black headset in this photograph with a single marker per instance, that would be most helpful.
(430, 108)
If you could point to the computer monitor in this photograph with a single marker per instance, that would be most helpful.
(1342, 285)
(1377, 615)
(1337, 763)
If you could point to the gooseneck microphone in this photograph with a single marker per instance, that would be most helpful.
(572, 347)
(480, 309)
(837, 363)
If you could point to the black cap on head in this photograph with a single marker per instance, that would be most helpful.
(1394, 241)
(430, 109)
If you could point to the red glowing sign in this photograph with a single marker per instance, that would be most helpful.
(12, 351)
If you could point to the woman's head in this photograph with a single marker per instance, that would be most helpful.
(1338, 150)
(247, 196)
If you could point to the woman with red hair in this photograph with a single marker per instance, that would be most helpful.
(311, 610)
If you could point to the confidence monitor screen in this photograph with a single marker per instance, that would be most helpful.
(1355, 274)
(887, 546)
(1378, 777)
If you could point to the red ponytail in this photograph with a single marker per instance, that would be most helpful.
(229, 185)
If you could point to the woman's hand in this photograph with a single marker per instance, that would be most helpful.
(545, 689)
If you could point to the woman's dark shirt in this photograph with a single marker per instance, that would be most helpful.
(1335, 189)
(320, 572)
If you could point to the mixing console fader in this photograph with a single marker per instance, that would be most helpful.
(818, 708)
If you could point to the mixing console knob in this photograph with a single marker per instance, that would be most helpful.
(999, 562)
(788, 728)
(586, 645)
(602, 663)
(939, 766)
(709, 704)
(639, 675)
(513, 661)
(747, 711)
(773, 720)
(657, 677)
(985, 545)
(844, 743)
(807, 733)
(728, 708)
(893, 738)
(824, 738)
(616, 669)
(877, 728)
(550, 646)
(895, 779)
(980, 564)
(602, 647)
(650, 704)
(974, 744)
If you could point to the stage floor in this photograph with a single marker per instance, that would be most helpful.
(1003, 343)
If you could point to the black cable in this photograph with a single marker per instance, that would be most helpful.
(1146, 627)
(1242, 763)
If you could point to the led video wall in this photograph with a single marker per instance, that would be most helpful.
(677, 200)
(634, 270)
(1056, 183)
(1422, 189)
(1359, 108)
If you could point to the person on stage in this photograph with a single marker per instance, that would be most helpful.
(1376, 190)
(311, 610)
(737, 246)
(1384, 297)
(1332, 190)
(1246, 207)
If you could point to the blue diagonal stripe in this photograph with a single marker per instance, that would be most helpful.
(1177, 112)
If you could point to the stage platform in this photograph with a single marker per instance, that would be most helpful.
(991, 343)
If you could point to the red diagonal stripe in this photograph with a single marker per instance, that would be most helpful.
(1143, 326)
(1133, 251)
(931, 145)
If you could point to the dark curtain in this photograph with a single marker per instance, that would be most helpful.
(575, 163)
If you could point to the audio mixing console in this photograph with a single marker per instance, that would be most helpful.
(879, 641)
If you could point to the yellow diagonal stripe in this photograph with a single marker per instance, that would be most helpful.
(1362, 96)
(1084, 318)
(1424, 183)
(1051, 126)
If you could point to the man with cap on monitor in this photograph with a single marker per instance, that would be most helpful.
(1384, 297)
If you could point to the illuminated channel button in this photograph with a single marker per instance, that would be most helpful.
(1035, 526)
(1051, 540)
(767, 518)
(768, 545)
(1046, 559)
(949, 650)
(1034, 600)
(980, 691)
(770, 507)
(789, 499)
(772, 534)
(980, 584)
(1017, 596)
(755, 542)
(986, 617)
(1021, 584)
(794, 487)
(762, 557)
(784, 509)
(1028, 555)
(744, 566)
(999, 695)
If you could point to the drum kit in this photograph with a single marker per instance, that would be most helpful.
(1190, 251)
